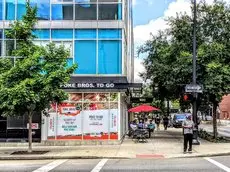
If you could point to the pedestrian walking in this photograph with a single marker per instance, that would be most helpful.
(165, 122)
(157, 122)
(188, 127)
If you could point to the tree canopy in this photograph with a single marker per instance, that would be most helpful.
(33, 81)
(169, 61)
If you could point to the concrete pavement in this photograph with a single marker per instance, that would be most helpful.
(163, 144)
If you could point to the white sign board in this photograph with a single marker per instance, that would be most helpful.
(69, 125)
(193, 88)
(95, 122)
(34, 126)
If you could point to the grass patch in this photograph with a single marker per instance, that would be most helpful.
(209, 137)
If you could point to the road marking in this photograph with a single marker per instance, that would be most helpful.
(99, 166)
(218, 164)
(50, 166)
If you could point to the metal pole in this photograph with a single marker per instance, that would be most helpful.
(194, 105)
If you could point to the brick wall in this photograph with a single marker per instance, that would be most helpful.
(225, 107)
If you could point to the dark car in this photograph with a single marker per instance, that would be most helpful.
(178, 120)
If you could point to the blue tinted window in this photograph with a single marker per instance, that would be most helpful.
(119, 12)
(1, 9)
(109, 57)
(109, 33)
(21, 9)
(85, 57)
(69, 62)
(10, 10)
(1, 34)
(42, 33)
(62, 12)
(43, 6)
(43, 9)
(62, 34)
(85, 33)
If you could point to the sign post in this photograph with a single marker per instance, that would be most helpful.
(193, 88)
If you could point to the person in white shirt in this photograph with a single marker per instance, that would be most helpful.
(188, 127)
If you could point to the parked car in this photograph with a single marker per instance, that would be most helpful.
(178, 120)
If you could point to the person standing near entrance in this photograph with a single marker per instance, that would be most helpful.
(188, 127)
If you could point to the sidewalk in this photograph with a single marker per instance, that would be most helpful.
(163, 144)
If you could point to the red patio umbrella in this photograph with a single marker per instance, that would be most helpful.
(143, 108)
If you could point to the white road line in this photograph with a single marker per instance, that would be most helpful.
(99, 166)
(218, 164)
(50, 166)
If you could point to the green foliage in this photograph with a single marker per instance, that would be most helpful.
(169, 61)
(34, 80)
(209, 137)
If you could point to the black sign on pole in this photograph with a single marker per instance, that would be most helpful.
(141, 99)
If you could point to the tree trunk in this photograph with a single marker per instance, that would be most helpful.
(214, 121)
(30, 115)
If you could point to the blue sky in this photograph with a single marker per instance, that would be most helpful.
(146, 10)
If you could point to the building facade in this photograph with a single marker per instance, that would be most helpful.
(99, 36)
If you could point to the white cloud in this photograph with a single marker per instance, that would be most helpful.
(138, 68)
(142, 32)
(134, 2)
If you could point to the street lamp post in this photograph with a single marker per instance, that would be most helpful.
(194, 103)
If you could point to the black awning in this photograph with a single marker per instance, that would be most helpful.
(99, 83)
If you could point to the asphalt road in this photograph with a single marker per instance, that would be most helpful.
(213, 164)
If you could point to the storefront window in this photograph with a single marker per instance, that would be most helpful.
(95, 118)
(75, 97)
(62, 12)
(110, 12)
(113, 97)
(85, 12)
(95, 97)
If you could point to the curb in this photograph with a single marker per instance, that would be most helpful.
(203, 155)
(100, 157)
(57, 157)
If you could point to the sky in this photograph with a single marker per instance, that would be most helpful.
(149, 17)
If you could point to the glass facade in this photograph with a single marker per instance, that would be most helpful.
(96, 51)
(64, 9)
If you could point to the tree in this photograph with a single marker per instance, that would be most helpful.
(33, 83)
(169, 62)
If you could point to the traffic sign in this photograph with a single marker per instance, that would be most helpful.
(193, 88)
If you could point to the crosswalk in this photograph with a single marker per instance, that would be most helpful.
(210, 164)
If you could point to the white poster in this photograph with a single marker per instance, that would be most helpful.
(69, 124)
(114, 120)
(95, 122)
(51, 124)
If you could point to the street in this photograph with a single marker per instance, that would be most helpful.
(96, 165)
(222, 130)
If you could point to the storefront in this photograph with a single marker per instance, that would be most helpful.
(95, 110)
